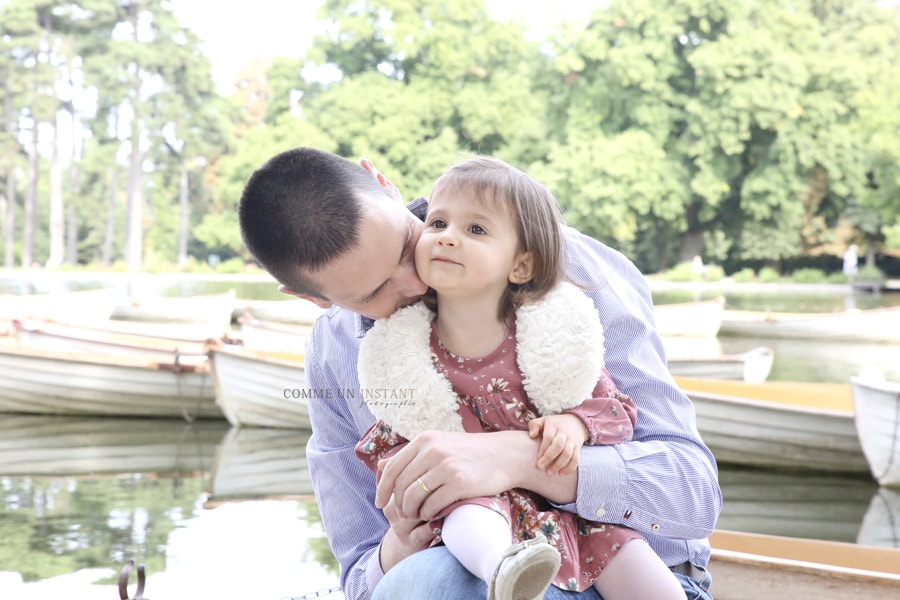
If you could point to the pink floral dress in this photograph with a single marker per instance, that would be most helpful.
(492, 398)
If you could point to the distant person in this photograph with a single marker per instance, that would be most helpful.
(851, 258)
(522, 350)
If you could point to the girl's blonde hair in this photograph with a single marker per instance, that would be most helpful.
(534, 210)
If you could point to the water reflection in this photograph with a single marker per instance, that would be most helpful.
(85, 495)
(228, 514)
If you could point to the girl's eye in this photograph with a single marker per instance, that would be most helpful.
(438, 224)
(477, 230)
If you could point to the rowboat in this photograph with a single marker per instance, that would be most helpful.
(43, 445)
(694, 319)
(752, 366)
(294, 311)
(873, 325)
(273, 336)
(60, 383)
(84, 306)
(748, 566)
(258, 463)
(213, 309)
(778, 424)
(260, 389)
(877, 403)
(82, 339)
(819, 360)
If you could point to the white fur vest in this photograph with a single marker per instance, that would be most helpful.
(559, 344)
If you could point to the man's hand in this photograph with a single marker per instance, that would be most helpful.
(389, 187)
(458, 466)
(562, 436)
(404, 538)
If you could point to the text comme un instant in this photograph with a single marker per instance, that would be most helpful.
(401, 396)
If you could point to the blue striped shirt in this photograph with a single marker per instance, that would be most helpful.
(663, 483)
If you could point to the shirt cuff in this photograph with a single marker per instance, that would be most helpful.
(373, 569)
(602, 483)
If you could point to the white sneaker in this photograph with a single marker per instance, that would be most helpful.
(526, 571)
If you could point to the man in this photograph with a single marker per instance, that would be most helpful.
(333, 232)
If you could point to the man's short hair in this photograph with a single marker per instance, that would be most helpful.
(302, 210)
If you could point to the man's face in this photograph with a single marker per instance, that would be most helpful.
(378, 275)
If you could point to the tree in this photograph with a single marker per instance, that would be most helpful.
(422, 81)
(698, 117)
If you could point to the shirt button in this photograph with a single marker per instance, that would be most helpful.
(601, 511)
(655, 527)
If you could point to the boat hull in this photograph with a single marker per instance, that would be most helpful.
(752, 366)
(778, 424)
(877, 403)
(259, 390)
(37, 382)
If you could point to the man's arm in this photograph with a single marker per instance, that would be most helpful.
(343, 485)
(664, 482)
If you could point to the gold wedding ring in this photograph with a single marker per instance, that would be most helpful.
(422, 485)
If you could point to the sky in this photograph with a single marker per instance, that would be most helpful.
(235, 34)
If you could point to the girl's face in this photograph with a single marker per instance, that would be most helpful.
(469, 247)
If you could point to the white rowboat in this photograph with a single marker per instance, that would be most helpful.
(877, 403)
(777, 424)
(58, 383)
(260, 389)
(214, 309)
(752, 366)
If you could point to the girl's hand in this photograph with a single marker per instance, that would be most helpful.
(562, 436)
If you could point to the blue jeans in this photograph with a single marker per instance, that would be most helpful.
(434, 574)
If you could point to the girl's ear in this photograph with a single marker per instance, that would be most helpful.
(523, 269)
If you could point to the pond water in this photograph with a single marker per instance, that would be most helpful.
(229, 514)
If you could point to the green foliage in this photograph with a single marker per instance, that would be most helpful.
(768, 275)
(713, 272)
(232, 265)
(745, 275)
(681, 272)
(736, 130)
(809, 276)
(870, 275)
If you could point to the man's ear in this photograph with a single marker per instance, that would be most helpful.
(320, 302)
(523, 269)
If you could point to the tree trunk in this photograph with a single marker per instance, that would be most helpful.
(9, 233)
(30, 213)
(71, 236)
(57, 209)
(870, 251)
(134, 248)
(185, 217)
(110, 235)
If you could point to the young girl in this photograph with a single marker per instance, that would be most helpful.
(505, 343)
